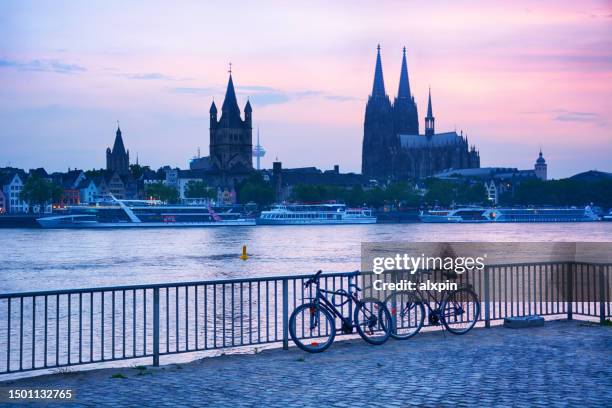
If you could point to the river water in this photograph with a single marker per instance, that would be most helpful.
(62, 259)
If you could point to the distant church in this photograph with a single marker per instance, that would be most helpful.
(392, 145)
(541, 168)
(118, 159)
(231, 137)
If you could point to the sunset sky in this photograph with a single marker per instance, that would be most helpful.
(514, 76)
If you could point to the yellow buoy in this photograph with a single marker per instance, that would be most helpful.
(244, 255)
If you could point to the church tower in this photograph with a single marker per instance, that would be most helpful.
(231, 138)
(405, 116)
(429, 119)
(118, 159)
(380, 143)
(541, 168)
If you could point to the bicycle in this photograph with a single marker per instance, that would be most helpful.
(316, 319)
(457, 310)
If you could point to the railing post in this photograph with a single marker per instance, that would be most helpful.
(350, 304)
(285, 314)
(395, 279)
(570, 289)
(487, 298)
(602, 295)
(155, 327)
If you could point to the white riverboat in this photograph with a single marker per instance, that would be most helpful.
(141, 214)
(319, 214)
(481, 214)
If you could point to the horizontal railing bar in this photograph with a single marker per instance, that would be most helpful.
(244, 280)
(163, 285)
(523, 264)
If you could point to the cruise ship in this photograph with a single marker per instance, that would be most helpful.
(320, 214)
(480, 214)
(141, 214)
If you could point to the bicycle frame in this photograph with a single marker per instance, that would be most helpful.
(431, 296)
(320, 300)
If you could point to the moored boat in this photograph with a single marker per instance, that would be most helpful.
(481, 214)
(142, 214)
(319, 214)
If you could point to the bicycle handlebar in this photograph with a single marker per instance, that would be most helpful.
(313, 279)
(317, 276)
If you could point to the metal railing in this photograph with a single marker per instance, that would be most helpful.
(55, 329)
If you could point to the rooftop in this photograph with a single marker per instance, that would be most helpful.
(486, 172)
(439, 139)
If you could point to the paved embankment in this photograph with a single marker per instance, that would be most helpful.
(561, 364)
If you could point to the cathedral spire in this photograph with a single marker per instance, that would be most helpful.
(118, 147)
(405, 116)
(378, 89)
(429, 119)
(230, 110)
(230, 103)
(404, 84)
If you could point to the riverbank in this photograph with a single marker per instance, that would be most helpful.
(565, 363)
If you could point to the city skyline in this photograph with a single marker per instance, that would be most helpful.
(514, 78)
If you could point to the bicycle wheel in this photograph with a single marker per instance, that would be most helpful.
(460, 310)
(372, 321)
(407, 312)
(312, 328)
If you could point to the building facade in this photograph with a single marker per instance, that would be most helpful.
(69, 182)
(12, 185)
(116, 186)
(88, 191)
(231, 137)
(101, 185)
(394, 149)
(3, 206)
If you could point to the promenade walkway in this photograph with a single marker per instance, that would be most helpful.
(561, 364)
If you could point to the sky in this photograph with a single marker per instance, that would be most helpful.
(514, 76)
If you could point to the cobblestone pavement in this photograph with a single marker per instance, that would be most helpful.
(561, 364)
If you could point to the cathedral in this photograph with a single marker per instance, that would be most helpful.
(393, 147)
(231, 137)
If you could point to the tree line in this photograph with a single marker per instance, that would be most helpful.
(400, 194)
(564, 192)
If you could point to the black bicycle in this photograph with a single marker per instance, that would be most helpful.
(312, 325)
(457, 310)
